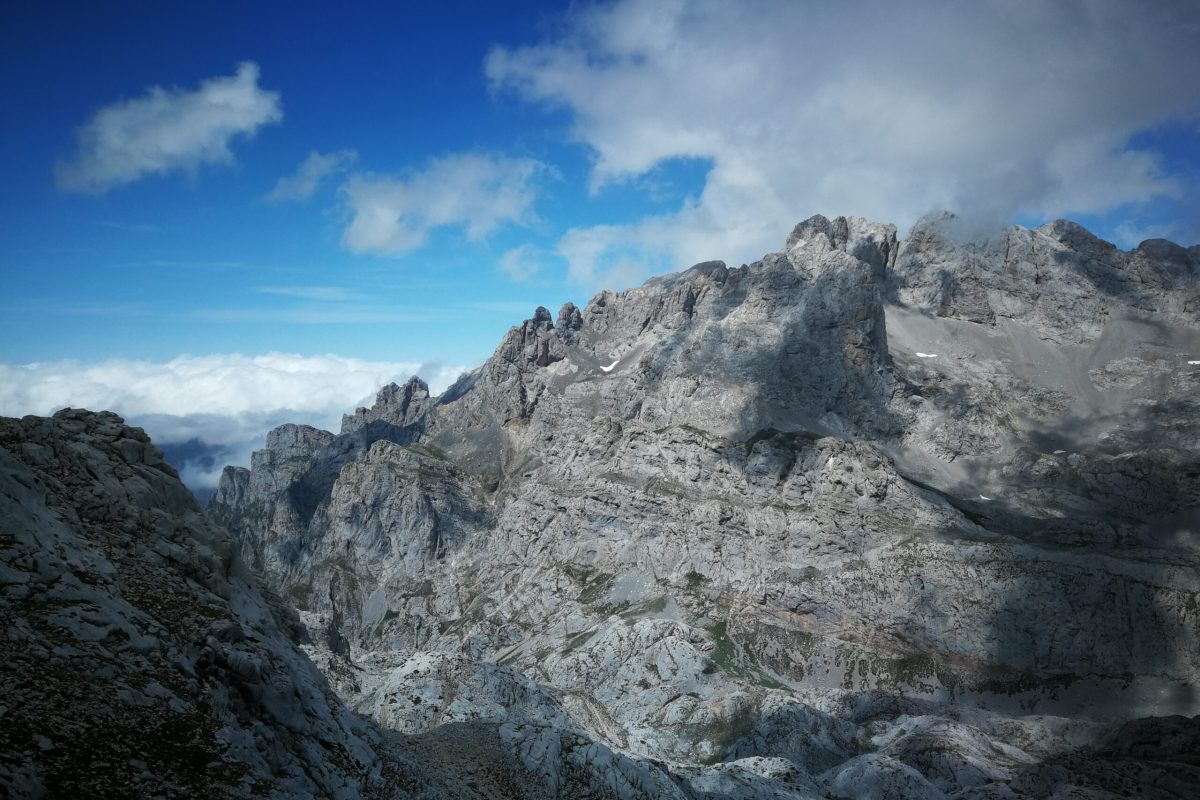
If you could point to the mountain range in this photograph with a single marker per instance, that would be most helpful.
(871, 517)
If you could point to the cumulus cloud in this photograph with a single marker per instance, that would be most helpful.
(990, 108)
(168, 130)
(308, 176)
(211, 410)
(475, 191)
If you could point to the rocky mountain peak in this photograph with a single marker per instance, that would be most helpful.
(395, 405)
(535, 343)
(568, 322)
(872, 243)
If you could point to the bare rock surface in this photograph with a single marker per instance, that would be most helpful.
(140, 657)
(870, 517)
(914, 518)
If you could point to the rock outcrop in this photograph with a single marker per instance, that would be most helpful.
(142, 659)
(868, 517)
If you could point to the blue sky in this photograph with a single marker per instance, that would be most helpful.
(201, 200)
(184, 262)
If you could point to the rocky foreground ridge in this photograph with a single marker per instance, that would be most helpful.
(142, 659)
(870, 517)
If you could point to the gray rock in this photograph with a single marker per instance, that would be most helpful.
(869, 507)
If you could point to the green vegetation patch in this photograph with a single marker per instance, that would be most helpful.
(725, 656)
(655, 605)
(726, 732)
(430, 451)
(577, 640)
(595, 586)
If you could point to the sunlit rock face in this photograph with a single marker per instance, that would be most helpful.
(870, 517)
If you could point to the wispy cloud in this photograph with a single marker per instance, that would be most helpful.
(308, 176)
(42, 307)
(521, 263)
(332, 294)
(988, 107)
(322, 314)
(132, 227)
(477, 192)
(168, 130)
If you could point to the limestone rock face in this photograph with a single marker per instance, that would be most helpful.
(140, 658)
(868, 517)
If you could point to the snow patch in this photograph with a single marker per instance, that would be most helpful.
(609, 368)
(926, 355)
(1194, 363)
(981, 497)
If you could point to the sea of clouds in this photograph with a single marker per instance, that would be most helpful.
(209, 411)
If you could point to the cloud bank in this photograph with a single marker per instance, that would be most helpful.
(226, 402)
(473, 191)
(309, 175)
(991, 108)
(167, 130)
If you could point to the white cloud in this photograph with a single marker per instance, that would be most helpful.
(308, 176)
(228, 401)
(521, 263)
(168, 130)
(988, 108)
(475, 191)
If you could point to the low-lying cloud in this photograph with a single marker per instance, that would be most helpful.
(168, 130)
(991, 108)
(211, 410)
(393, 214)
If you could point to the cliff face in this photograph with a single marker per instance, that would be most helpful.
(140, 657)
(855, 511)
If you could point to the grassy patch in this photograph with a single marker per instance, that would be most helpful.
(577, 640)
(655, 605)
(695, 579)
(725, 656)
(431, 451)
(595, 587)
(726, 732)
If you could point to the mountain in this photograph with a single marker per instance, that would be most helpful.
(869, 517)
(914, 514)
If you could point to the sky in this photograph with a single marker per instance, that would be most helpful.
(219, 217)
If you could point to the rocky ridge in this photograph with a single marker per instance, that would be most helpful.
(908, 518)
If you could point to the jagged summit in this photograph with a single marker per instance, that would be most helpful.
(394, 405)
(773, 515)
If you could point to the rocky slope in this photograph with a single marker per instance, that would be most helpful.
(869, 517)
(140, 657)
